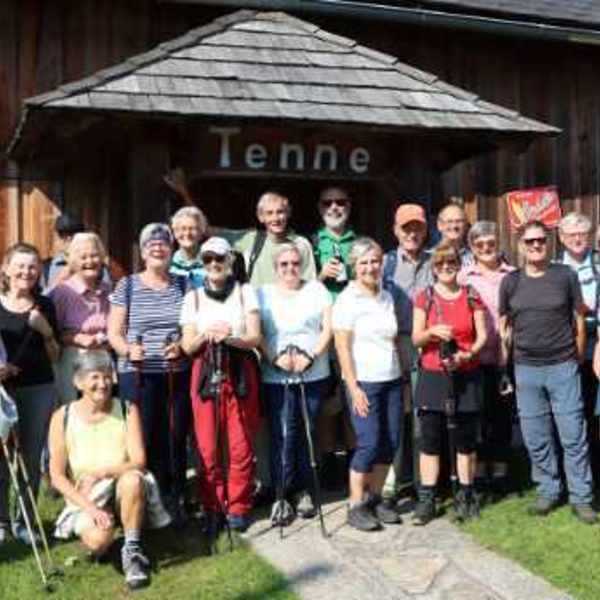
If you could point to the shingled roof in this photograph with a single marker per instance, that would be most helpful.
(582, 12)
(273, 66)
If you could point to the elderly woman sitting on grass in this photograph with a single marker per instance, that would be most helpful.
(97, 463)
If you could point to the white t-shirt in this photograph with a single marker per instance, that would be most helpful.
(372, 321)
(200, 310)
(296, 318)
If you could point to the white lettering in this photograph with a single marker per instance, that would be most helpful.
(289, 150)
(225, 152)
(320, 151)
(359, 160)
(256, 156)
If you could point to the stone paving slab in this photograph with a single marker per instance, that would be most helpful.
(436, 562)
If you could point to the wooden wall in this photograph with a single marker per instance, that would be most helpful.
(48, 42)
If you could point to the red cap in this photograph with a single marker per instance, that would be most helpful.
(410, 212)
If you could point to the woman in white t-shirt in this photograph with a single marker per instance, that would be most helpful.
(221, 327)
(296, 323)
(365, 328)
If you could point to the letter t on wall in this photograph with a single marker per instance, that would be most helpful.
(225, 134)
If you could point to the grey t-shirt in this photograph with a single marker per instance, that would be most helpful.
(541, 310)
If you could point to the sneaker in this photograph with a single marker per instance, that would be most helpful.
(4, 533)
(21, 533)
(384, 510)
(424, 511)
(239, 522)
(585, 513)
(361, 517)
(282, 513)
(305, 507)
(543, 506)
(135, 567)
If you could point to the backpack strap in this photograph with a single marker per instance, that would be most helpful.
(259, 241)
(389, 266)
(128, 296)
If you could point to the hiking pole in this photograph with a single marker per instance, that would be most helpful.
(171, 339)
(450, 412)
(311, 452)
(284, 432)
(139, 340)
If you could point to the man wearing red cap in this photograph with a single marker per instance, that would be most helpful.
(406, 271)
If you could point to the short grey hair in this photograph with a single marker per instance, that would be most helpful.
(482, 229)
(84, 237)
(360, 247)
(269, 197)
(282, 249)
(191, 212)
(149, 230)
(92, 360)
(575, 219)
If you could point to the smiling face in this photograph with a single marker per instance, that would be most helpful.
(157, 254)
(446, 269)
(274, 215)
(411, 235)
(452, 224)
(95, 385)
(576, 239)
(187, 233)
(86, 260)
(368, 268)
(485, 249)
(22, 271)
(534, 245)
(334, 207)
(216, 267)
(288, 267)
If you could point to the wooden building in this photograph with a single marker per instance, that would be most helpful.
(242, 108)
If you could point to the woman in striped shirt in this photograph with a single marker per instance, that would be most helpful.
(143, 329)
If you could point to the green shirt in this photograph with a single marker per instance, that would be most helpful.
(327, 245)
(264, 271)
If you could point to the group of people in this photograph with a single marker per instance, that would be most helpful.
(253, 343)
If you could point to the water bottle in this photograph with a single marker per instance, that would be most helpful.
(342, 276)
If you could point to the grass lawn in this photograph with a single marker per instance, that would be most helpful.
(181, 569)
(559, 548)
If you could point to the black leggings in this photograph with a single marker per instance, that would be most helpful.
(432, 424)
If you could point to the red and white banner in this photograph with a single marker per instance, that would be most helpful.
(537, 204)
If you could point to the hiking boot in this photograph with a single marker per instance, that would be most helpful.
(424, 511)
(282, 513)
(305, 507)
(585, 513)
(361, 517)
(21, 534)
(135, 567)
(239, 522)
(384, 510)
(543, 506)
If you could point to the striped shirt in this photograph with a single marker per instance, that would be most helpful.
(80, 309)
(153, 315)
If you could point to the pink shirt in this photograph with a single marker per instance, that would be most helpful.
(487, 286)
(79, 309)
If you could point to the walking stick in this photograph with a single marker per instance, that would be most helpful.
(450, 412)
(284, 432)
(311, 453)
(171, 339)
(139, 339)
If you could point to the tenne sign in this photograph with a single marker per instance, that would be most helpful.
(237, 151)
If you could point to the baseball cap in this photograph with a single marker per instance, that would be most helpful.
(410, 212)
(216, 245)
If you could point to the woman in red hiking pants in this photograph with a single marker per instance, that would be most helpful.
(221, 328)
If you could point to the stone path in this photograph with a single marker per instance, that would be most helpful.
(437, 562)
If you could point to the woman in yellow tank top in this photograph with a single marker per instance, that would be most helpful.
(97, 462)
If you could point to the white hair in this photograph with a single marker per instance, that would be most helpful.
(282, 249)
(190, 212)
(575, 219)
(268, 197)
(360, 247)
(81, 238)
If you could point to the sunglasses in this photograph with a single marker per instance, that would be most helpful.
(210, 258)
(341, 202)
(289, 263)
(482, 244)
(447, 263)
(540, 241)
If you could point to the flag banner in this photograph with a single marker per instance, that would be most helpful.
(536, 204)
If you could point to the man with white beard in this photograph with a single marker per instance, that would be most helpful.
(331, 247)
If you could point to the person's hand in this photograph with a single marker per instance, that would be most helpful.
(360, 402)
(85, 340)
(8, 370)
(176, 180)
(38, 322)
(462, 357)
(284, 361)
(331, 269)
(218, 332)
(441, 332)
(172, 351)
(300, 362)
(101, 518)
(135, 352)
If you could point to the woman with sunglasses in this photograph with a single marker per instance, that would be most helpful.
(296, 318)
(28, 329)
(143, 329)
(542, 309)
(449, 327)
(485, 275)
(221, 327)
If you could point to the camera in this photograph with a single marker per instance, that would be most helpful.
(448, 349)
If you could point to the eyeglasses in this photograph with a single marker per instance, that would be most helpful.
(209, 258)
(289, 263)
(446, 263)
(579, 235)
(341, 202)
(482, 244)
(540, 241)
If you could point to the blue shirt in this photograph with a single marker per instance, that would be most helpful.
(192, 270)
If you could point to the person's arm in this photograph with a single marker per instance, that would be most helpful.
(580, 333)
(596, 360)
(480, 338)
(343, 346)
(309, 270)
(423, 335)
(251, 338)
(506, 336)
(302, 362)
(42, 324)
